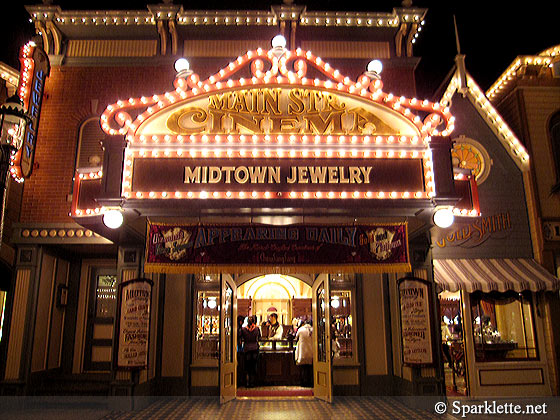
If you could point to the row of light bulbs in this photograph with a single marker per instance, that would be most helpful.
(504, 133)
(24, 92)
(363, 88)
(242, 17)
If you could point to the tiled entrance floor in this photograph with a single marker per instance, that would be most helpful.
(343, 408)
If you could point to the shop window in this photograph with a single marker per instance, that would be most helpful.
(341, 323)
(100, 320)
(89, 152)
(207, 325)
(321, 326)
(228, 324)
(106, 296)
(503, 326)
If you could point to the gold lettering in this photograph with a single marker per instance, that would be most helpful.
(241, 174)
(365, 170)
(355, 175)
(257, 174)
(188, 121)
(302, 175)
(192, 176)
(274, 174)
(293, 176)
(214, 174)
(271, 101)
(228, 170)
(333, 175)
(296, 105)
(316, 124)
(343, 180)
(317, 174)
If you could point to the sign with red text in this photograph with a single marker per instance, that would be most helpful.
(301, 248)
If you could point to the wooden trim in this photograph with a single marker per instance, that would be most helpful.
(111, 48)
(542, 382)
(348, 49)
(221, 47)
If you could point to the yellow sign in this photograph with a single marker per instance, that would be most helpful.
(279, 110)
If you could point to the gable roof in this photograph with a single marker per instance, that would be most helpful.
(487, 111)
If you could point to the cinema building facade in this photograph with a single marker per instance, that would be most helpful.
(291, 178)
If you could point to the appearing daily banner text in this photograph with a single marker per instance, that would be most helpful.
(287, 249)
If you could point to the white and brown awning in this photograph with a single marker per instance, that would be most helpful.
(498, 275)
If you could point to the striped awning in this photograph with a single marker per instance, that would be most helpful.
(497, 275)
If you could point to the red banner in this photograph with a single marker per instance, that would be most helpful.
(285, 249)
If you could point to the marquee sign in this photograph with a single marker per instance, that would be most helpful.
(35, 70)
(309, 248)
(276, 125)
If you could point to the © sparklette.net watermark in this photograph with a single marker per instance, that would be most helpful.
(465, 409)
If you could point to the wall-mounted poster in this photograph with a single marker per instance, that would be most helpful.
(414, 298)
(134, 323)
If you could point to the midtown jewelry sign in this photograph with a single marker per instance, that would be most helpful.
(296, 248)
(277, 177)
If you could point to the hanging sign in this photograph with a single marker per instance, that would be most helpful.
(416, 329)
(135, 298)
(295, 248)
(35, 69)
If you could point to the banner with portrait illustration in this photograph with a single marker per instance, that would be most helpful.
(301, 248)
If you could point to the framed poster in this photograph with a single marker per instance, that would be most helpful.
(416, 328)
(134, 301)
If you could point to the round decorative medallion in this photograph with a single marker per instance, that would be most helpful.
(470, 154)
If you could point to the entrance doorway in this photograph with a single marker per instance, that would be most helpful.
(279, 305)
(453, 345)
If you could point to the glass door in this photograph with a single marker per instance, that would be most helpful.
(322, 357)
(228, 339)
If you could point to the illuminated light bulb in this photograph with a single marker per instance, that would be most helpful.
(319, 194)
(292, 194)
(343, 194)
(215, 194)
(330, 194)
(375, 67)
(228, 194)
(190, 194)
(356, 194)
(278, 42)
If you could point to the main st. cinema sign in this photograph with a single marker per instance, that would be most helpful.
(265, 127)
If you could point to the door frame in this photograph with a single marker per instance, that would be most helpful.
(228, 365)
(322, 360)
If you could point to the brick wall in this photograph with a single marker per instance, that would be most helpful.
(69, 93)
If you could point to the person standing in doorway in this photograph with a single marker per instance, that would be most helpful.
(250, 336)
(304, 353)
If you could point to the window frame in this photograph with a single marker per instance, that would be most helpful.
(527, 297)
(347, 285)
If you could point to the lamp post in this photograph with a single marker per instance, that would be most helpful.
(13, 120)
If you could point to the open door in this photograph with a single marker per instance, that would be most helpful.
(228, 339)
(322, 358)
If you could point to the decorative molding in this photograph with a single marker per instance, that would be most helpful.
(56, 233)
(112, 48)
(348, 49)
(221, 48)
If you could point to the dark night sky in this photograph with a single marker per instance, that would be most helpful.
(492, 32)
